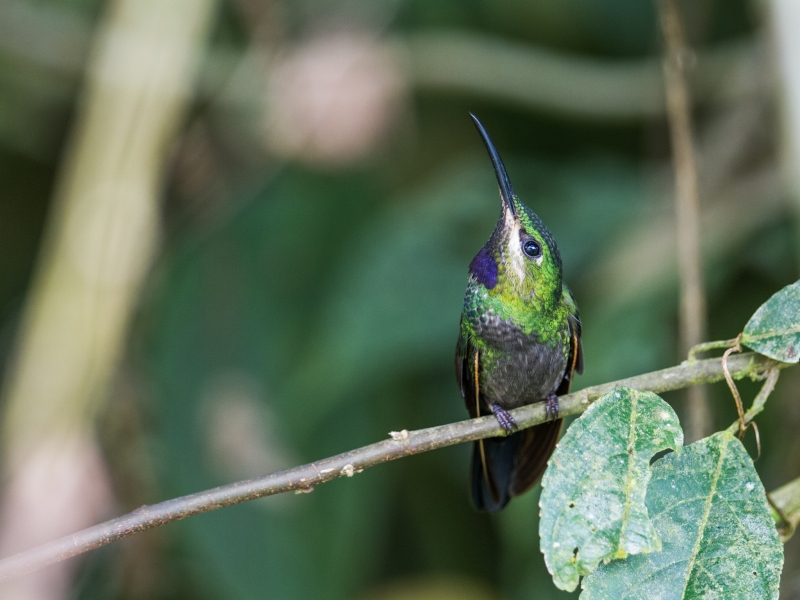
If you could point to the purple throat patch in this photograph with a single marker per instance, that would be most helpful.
(484, 268)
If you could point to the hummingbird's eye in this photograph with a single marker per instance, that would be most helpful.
(532, 248)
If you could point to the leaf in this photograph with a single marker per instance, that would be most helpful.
(592, 503)
(718, 538)
(774, 329)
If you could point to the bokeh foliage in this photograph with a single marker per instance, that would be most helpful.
(297, 311)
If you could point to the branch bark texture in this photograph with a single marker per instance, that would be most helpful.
(348, 464)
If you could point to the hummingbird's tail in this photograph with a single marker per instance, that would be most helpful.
(513, 464)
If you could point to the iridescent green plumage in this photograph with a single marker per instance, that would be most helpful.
(519, 343)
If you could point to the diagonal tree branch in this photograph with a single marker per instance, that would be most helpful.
(347, 464)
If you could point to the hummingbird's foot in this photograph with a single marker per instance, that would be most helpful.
(506, 421)
(551, 408)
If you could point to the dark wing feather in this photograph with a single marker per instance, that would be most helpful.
(576, 346)
(492, 459)
(465, 369)
(575, 363)
(491, 488)
(533, 452)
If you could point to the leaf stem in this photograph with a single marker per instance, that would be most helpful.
(706, 346)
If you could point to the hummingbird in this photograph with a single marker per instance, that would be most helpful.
(519, 343)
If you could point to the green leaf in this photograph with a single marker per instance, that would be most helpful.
(718, 538)
(774, 329)
(592, 503)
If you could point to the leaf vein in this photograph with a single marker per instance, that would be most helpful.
(704, 520)
(626, 513)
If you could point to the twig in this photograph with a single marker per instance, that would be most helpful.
(732, 385)
(687, 204)
(761, 398)
(785, 502)
(706, 346)
(746, 420)
(783, 523)
(401, 444)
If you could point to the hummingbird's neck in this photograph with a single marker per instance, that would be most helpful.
(530, 314)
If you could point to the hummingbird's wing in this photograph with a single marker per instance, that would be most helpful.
(533, 451)
(575, 358)
(487, 492)
(575, 363)
(466, 354)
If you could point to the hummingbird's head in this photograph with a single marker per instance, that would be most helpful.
(521, 259)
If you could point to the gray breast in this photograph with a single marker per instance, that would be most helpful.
(525, 370)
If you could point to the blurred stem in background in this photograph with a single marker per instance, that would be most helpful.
(609, 90)
(102, 234)
(692, 318)
(785, 17)
(53, 42)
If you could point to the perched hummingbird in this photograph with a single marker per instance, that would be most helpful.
(519, 343)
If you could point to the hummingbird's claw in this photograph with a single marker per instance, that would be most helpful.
(506, 421)
(551, 408)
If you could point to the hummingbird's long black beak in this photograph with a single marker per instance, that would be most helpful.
(506, 191)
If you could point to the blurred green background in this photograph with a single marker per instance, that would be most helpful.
(321, 202)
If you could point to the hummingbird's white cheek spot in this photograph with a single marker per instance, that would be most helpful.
(517, 261)
(516, 258)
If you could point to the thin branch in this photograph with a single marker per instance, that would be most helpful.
(715, 345)
(347, 464)
(758, 403)
(737, 398)
(687, 204)
(786, 507)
